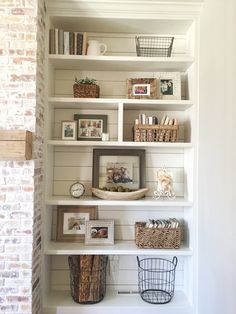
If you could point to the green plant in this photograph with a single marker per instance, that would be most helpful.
(85, 81)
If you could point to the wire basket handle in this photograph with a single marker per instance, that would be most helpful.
(138, 260)
(175, 261)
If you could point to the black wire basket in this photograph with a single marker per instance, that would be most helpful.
(154, 46)
(156, 279)
(88, 278)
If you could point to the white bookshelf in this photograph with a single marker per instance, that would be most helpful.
(115, 302)
(121, 63)
(119, 248)
(67, 160)
(147, 201)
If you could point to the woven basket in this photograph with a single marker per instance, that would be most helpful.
(155, 133)
(86, 91)
(88, 278)
(157, 238)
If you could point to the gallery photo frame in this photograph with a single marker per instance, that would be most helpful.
(169, 85)
(142, 88)
(99, 232)
(118, 167)
(68, 130)
(90, 127)
(71, 222)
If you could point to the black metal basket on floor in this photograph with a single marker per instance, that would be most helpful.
(88, 278)
(154, 46)
(156, 279)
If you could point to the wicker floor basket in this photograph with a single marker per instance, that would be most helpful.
(86, 90)
(157, 238)
(155, 133)
(88, 278)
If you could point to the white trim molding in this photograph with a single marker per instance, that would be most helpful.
(126, 9)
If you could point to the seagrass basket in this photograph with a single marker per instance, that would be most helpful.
(157, 238)
(155, 133)
(86, 90)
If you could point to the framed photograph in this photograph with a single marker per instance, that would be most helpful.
(71, 222)
(99, 232)
(119, 167)
(68, 129)
(169, 85)
(142, 88)
(90, 127)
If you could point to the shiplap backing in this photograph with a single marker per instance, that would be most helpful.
(125, 220)
(112, 83)
(122, 273)
(112, 118)
(71, 164)
(124, 44)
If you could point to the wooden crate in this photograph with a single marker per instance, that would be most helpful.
(15, 145)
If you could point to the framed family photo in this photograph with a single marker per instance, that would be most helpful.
(69, 130)
(142, 88)
(118, 167)
(99, 232)
(71, 222)
(169, 85)
(90, 127)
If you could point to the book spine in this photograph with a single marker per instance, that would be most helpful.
(85, 43)
(51, 41)
(79, 44)
(71, 43)
(56, 40)
(61, 42)
(66, 43)
(75, 43)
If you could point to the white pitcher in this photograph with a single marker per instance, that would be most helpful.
(95, 48)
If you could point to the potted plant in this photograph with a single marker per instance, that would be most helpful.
(86, 88)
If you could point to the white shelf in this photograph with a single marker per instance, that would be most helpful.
(119, 144)
(147, 201)
(62, 302)
(112, 103)
(119, 248)
(120, 63)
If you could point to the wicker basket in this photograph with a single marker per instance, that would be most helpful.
(157, 238)
(88, 278)
(86, 90)
(155, 133)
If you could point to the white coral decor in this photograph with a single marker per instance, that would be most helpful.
(164, 185)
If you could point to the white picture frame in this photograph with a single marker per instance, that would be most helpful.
(99, 232)
(68, 130)
(169, 85)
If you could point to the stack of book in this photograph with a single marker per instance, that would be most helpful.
(67, 43)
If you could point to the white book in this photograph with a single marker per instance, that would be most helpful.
(66, 43)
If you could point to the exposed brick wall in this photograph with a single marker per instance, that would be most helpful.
(21, 107)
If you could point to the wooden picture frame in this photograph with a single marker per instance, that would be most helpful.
(68, 130)
(142, 88)
(71, 222)
(90, 127)
(119, 167)
(99, 232)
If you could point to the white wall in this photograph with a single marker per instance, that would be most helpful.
(217, 265)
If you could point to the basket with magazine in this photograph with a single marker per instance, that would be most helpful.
(147, 237)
